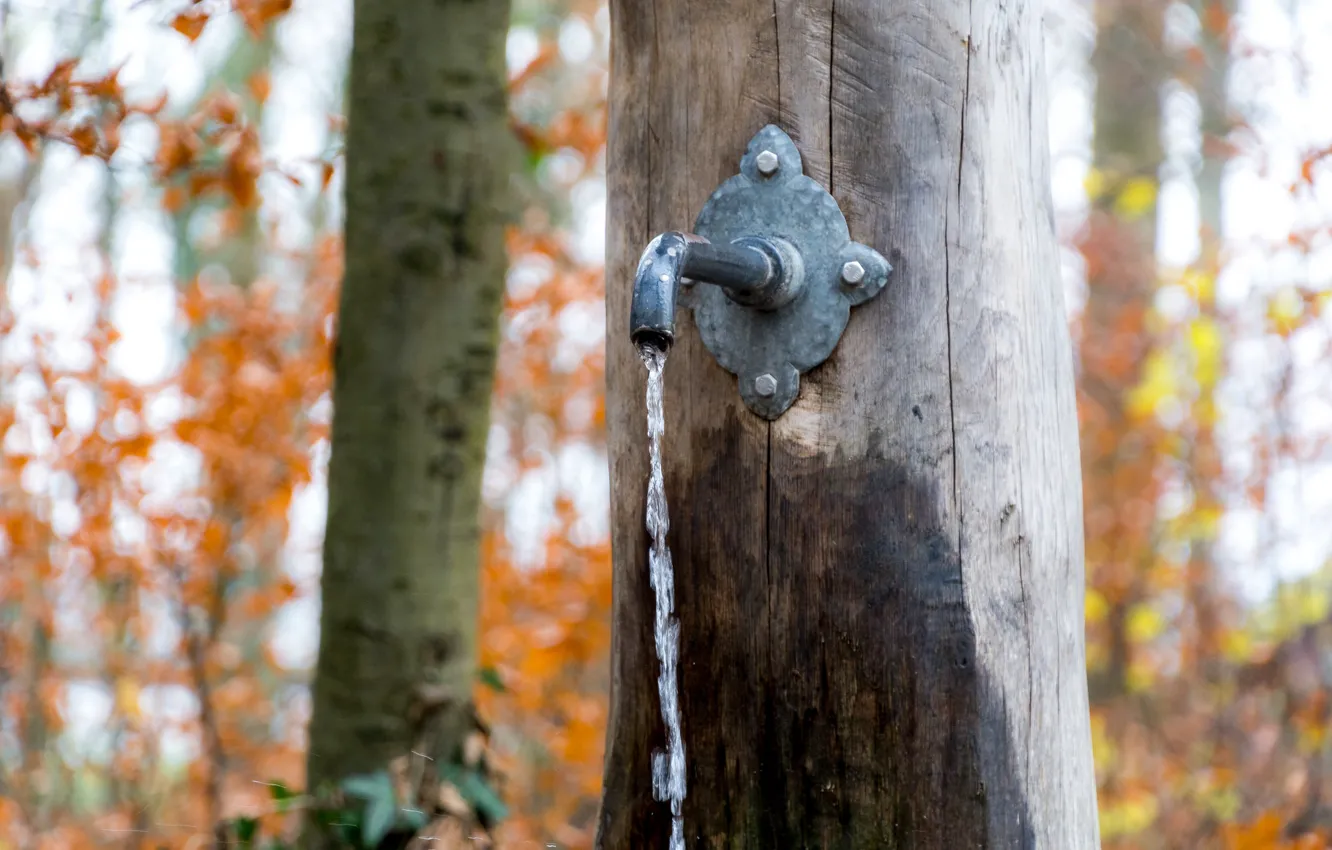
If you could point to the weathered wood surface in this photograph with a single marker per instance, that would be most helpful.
(880, 593)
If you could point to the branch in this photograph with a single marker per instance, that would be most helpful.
(216, 756)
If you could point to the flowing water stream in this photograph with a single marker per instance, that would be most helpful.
(668, 767)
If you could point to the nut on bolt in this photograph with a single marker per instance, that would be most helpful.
(767, 163)
(765, 385)
(853, 273)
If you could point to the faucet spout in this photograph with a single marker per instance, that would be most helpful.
(751, 270)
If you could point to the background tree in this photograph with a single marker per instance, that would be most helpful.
(1177, 704)
(168, 600)
(253, 379)
(428, 171)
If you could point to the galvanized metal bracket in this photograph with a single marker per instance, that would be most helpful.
(768, 349)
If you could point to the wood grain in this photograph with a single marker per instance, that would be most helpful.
(880, 593)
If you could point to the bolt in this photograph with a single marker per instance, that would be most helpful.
(765, 385)
(767, 163)
(853, 273)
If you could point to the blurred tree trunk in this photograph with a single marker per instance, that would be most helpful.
(42, 774)
(880, 593)
(429, 159)
(238, 255)
(1211, 86)
(1129, 454)
(1210, 79)
(1119, 457)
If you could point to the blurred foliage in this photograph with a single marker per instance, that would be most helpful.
(1209, 711)
(118, 586)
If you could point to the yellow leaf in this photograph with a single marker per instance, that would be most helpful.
(1104, 750)
(1139, 677)
(1312, 607)
(1204, 339)
(1128, 816)
(1094, 184)
(1158, 384)
(1136, 198)
(1284, 310)
(1204, 411)
(1207, 521)
(127, 697)
(1199, 284)
(1144, 623)
(1141, 812)
(1096, 606)
(1224, 804)
(1311, 737)
(1237, 646)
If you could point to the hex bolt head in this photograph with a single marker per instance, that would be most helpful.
(765, 385)
(853, 273)
(767, 163)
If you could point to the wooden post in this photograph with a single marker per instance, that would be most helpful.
(880, 593)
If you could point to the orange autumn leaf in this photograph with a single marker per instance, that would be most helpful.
(260, 85)
(173, 199)
(107, 88)
(59, 77)
(190, 23)
(243, 167)
(177, 148)
(1309, 166)
(225, 107)
(259, 14)
(110, 138)
(84, 139)
(1216, 18)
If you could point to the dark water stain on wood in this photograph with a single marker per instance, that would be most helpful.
(832, 698)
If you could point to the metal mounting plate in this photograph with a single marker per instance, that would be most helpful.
(769, 349)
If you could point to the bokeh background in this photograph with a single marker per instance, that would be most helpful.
(170, 178)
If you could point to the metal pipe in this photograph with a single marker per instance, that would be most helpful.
(745, 269)
(739, 268)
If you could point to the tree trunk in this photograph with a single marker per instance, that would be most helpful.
(1203, 458)
(1121, 451)
(879, 593)
(1211, 85)
(428, 168)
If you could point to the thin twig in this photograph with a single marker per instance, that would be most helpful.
(216, 760)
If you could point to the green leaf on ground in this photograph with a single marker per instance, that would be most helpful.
(490, 677)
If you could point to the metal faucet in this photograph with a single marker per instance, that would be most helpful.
(781, 269)
(753, 271)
